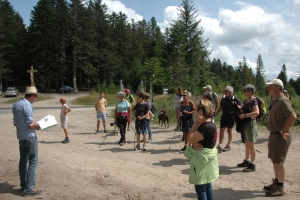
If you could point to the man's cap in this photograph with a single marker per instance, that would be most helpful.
(276, 82)
(127, 91)
(207, 87)
(31, 90)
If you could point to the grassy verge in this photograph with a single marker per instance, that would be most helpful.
(39, 98)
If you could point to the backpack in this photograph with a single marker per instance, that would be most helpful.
(152, 109)
(262, 108)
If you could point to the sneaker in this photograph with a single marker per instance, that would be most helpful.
(245, 163)
(183, 149)
(96, 132)
(275, 191)
(144, 148)
(33, 193)
(149, 140)
(227, 148)
(220, 149)
(105, 131)
(269, 187)
(65, 141)
(250, 168)
(137, 147)
(123, 143)
(128, 129)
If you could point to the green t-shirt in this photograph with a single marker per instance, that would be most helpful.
(129, 98)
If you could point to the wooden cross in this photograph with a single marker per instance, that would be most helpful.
(31, 71)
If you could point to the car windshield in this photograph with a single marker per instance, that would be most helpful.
(10, 89)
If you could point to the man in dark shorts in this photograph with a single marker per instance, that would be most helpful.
(228, 106)
(281, 118)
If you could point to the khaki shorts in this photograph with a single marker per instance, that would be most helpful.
(251, 131)
(278, 147)
(64, 122)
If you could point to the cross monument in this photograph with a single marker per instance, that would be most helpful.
(31, 71)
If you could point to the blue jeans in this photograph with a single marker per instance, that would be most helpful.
(204, 192)
(140, 126)
(28, 154)
(148, 128)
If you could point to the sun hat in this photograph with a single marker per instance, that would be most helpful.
(276, 82)
(207, 87)
(31, 90)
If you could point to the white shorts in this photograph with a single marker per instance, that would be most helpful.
(64, 122)
(101, 116)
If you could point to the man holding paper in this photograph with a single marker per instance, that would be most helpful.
(28, 144)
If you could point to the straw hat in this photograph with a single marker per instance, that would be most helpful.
(31, 90)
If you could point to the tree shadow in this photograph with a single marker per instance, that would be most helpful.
(228, 193)
(53, 142)
(169, 163)
(5, 187)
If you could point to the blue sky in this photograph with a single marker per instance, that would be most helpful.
(234, 28)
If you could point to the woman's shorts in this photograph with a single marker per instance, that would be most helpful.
(250, 129)
(140, 127)
(64, 122)
(278, 147)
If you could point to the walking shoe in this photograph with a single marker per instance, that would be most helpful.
(96, 132)
(123, 143)
(105, 131)
(227, 148)
(149, 140)
(275, 191)
(137, 147)
(220, 149)
(33, 193)
(183, 149)
(128, 129)
(245, 163)
(144, 148)
(250, 168)
(65, 141)
(269, 187)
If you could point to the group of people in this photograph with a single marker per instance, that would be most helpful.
(200, 134)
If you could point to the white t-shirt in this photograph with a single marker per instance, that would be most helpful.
(63, 110)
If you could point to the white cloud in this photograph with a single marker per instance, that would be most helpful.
(170, 14)
(118, 6)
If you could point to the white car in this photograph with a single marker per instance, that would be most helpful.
(11, 92)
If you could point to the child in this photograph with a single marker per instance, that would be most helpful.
(100, 107)
(64, 118)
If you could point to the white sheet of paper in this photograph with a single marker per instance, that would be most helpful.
(47, 122)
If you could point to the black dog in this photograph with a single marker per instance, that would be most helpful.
(164, 118)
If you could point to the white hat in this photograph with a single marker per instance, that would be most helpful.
(208, 87)
(31, 90)
(276, 82)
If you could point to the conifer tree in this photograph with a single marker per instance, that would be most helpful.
(260, 77)
(282, 75)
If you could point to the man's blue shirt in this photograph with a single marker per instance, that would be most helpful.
(22, 111)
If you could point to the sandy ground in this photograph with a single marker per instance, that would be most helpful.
(83, 170)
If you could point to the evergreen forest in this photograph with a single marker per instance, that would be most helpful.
(81, 45)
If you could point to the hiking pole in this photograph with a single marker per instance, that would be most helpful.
(104, 138)
(172, 140)
(237, 135)
(133, 138)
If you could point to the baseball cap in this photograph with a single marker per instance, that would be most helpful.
(207, 87)
(127, 91)
(276, 82)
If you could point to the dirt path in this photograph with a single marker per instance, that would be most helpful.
(82, 170)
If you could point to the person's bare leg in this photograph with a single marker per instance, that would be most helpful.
(98, 125)
(221, 137)
(66, 133)
(144, 139)
(247, 151)
(252, 151)
(229, 130)
(279, 171)
(104, 125)
(185, 135)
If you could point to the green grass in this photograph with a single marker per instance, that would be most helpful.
(39, 98)
(90, 99)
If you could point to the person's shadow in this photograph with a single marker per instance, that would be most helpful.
(5, 187)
